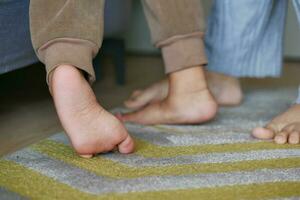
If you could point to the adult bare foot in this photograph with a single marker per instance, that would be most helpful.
(285, 128)
(226, 90)
(189, 101)
(90, 128)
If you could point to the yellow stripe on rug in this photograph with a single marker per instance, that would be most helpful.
(147, 149)
(105, 167)
(33, 185)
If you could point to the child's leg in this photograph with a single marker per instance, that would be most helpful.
(188, 101)
(226, 90)
(285, 128)
(253, 49)
(177, 28)
(66, 46)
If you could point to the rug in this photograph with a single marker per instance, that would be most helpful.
(217, 160)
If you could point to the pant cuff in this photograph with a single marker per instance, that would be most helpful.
(244, 62)
(182, 52)
(76, 52)
(244, 71)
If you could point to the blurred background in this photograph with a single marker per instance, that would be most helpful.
(138, 40)
(126, 61)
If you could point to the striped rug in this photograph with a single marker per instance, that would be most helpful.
(218, 160)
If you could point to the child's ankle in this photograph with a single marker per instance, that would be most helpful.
(188, 80)
(61, 74)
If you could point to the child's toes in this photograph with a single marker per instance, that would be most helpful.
(126, 146)
(294, 137)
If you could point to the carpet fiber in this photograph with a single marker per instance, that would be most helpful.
(218, 160)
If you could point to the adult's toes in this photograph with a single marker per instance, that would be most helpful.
(263, 133)
(281, 138)
(294, 137)
(127, 145)
(86, 156)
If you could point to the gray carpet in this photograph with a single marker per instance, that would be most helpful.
(217, 160)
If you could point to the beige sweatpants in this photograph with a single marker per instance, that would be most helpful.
(71, 31)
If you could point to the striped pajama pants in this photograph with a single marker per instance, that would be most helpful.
(244, 38)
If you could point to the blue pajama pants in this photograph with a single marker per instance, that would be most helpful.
(244, 38)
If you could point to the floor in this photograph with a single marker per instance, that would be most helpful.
(27, 113)
(170, 162)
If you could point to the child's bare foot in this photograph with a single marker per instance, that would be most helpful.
(285, 128)
(90, 128)
(188, 101)
(226, 90)
(154, 93)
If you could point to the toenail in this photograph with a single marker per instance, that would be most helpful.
(280, 140)
(86, 156)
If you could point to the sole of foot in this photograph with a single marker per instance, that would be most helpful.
(188, 101)
(225, 89)
(283, 129)
(90, 127)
